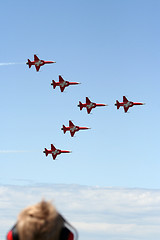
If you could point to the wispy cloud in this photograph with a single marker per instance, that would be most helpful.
(97, 213)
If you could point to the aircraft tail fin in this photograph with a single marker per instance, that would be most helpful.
(53, 84)
(46, 152)
(64, 129)
(29, 63)
(80, 105)
(117, 104)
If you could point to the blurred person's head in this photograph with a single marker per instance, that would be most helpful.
(41, 222)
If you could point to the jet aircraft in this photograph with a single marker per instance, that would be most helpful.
(62, 83)
(54, 151)
(72, 128)
(126, 104)
(89, 105)
(37, 62)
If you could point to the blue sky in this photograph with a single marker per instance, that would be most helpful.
(112, 48)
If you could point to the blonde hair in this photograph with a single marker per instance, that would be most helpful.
(39, 222)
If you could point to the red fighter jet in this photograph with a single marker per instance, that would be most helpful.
(38, 63)
(62, 83)
(126, 104)
(54, 151)
(72, 128)
(89, 105)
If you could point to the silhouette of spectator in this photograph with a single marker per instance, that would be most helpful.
(42, 222)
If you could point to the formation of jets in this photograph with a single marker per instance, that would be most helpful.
(88, 105)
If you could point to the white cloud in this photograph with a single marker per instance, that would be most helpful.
(97, 213)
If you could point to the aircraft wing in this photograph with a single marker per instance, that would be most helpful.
(87, 100)
(37, 67)
(36, 58)
(126, 109)
(72, 133)
(53, 147)
(62, 88)
(54, 156)
(61, 79)
(89, 110)
(125, 99)
(70, 123)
